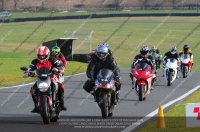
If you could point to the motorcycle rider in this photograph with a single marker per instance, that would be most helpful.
(59, 56)
(102, 59)
(171, 54)
(44, 60)
(186, 50)
(143, 56)
(94, 51)
(153, 51)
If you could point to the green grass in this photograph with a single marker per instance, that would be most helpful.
(12, 75)
(45, 14)
(145, 30)
(175, 119)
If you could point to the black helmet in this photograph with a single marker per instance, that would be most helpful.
(185, 47)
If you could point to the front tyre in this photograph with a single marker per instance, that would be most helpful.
(169, 78)
(141, 92)
(45, 110)
(103, 102)
(184, 72)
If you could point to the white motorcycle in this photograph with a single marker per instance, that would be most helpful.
(170, 71)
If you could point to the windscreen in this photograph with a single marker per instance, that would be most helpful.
(105, 75)
(142, 66)
(43, 72)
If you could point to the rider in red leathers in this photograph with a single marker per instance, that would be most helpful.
(44, 60)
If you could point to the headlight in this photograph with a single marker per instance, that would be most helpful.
(147, 73)
(43, 85)
(109, 85)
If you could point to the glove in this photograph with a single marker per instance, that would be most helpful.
(55, 70)
(61, 69)
(26, 74)
(164, 62)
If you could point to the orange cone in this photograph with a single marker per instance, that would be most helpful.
(160, 118)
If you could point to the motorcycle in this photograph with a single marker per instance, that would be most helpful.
(186, 64)
(60, 72)
(105, 92)
(48, 110)
(170, 71)
(156, 57)
(143, 77)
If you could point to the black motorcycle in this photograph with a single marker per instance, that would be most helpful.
(105, 92)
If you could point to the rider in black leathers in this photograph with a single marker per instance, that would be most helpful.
(143, 56)
(172, 54)
(100, 60)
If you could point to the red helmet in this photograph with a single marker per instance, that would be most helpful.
(99, 44)
(43, 54)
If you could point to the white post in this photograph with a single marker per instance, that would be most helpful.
(73, 34)
(65, 34)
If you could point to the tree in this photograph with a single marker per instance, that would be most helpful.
(174, 2)
(2, 4)
(43, 3)
(15, 5)
(144, 3)
(117, 4)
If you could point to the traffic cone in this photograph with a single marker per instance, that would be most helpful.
(160, 118)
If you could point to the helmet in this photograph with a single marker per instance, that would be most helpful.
(144, 50)
(102, 52)
(185, 47)
(154, 48)
(43, 54)
(99, 45)
(56, 51)
(105, 44)
(173, 49)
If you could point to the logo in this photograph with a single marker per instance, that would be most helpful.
(196, 110)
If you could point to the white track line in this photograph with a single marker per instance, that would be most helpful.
(150, 115)
(34, 82)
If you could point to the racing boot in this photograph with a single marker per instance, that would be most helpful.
(133, 85)
(61, 99)
(153, 80)
(35, 109)
(93, 93)
(34, 97)
(117, 98)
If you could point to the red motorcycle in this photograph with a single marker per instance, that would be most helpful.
(142, 77)
(186, 64)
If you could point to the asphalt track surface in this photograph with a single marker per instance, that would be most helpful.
(83, 114)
